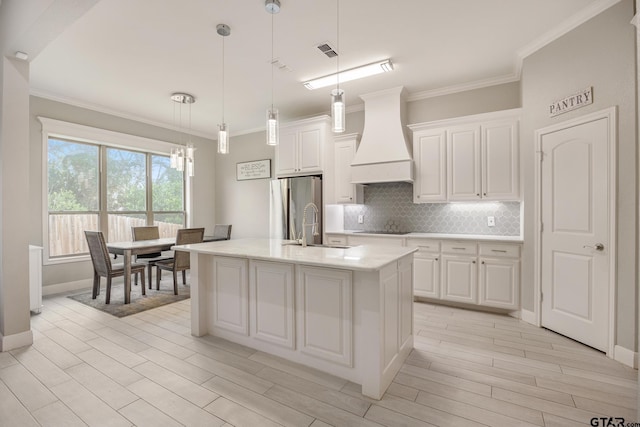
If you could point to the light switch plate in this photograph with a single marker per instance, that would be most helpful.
(360, 219)
(491, 221)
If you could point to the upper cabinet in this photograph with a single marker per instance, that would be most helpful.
(430, 156)
(301, 146)
(344, 151)
(468, 158)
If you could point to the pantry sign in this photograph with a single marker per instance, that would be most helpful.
(571, 102)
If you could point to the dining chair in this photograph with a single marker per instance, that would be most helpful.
(102, 266)
(181, 259)
(222, 231)
(148, 232)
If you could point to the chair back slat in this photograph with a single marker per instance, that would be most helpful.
(99, 252)
(186, 236)
(222, 231)
(147, 232)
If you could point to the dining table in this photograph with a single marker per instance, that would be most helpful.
(130, 248)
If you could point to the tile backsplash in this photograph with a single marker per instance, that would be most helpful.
(390, 207)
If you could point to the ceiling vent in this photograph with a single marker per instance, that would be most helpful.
(327, 49)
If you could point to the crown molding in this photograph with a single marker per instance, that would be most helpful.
(567, 25)
(478, 84)
(101, 109)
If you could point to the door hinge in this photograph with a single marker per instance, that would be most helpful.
(541, 227)
(541, 296)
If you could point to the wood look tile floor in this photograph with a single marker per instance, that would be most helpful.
(467, 369)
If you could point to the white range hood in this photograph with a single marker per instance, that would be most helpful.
(384, 154)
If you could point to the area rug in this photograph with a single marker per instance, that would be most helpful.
(139, 302)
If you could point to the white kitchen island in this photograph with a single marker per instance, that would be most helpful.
(347, 312)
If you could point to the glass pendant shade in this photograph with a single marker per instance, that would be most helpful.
(190, 166)
(338, 110)
(173, 158)
(180, 159)
(223, 139)
(272, 126)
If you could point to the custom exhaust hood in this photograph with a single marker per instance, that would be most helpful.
(384, 154)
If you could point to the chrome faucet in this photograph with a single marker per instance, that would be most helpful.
(314, 224)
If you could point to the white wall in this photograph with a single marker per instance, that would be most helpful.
(598, 53)
(243, 204)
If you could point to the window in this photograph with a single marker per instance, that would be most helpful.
(94, 186)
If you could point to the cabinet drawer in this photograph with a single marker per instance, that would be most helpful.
(336, 240)
(453, 247)
(499, 250)
(425, 245)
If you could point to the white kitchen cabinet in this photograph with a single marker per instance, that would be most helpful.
(463, 163)
(344, 152)
(426, 275)
(467, 158)
(324, 301)
(499, 269)
(271, 303)
(231, 295)
(426, 268)
(500, 160)
(459, 279)
(430, 157)
(301, 146)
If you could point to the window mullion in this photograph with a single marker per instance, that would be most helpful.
(104, 217)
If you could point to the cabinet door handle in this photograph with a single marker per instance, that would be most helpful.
(483, 262)
(460, 249)
(436, 259)
(478, 194)
(473, 262)
(484, 194)
(418, 196)
(499, 250)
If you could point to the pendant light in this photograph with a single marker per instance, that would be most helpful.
(223, 131)
(182, 157)
(272, 7)
(338, 107)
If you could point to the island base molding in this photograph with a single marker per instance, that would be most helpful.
(356, 325)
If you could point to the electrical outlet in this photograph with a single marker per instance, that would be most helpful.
(360, 219)
(491, 221)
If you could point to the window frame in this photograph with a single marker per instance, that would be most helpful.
(72, 132)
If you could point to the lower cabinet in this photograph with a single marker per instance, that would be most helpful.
(426, 274)
(484, 273)
(324, 301)
(499, 282)
(231, 294)
(459, 279)
(271, 303)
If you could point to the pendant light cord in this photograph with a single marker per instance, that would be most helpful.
(272, 62)
(338, 44)
(223, 79)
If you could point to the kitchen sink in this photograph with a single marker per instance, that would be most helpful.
(316, 245)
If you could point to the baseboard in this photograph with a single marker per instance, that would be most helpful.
(60, 288)
(625, 356)
(528, 316)
(11, 342)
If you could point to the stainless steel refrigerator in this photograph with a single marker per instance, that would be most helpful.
(288, 199)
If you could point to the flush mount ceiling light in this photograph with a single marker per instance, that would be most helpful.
(352, 74)
(182, 157)
(223, 132)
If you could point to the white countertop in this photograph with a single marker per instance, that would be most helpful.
(484, 237)
(365, 257)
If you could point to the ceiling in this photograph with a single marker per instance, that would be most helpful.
(126, 57)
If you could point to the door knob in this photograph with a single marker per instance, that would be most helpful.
(597, 247)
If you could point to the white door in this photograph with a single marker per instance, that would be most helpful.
(575, 206)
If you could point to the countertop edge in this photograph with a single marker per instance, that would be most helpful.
(442, 236)
(209, 248)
